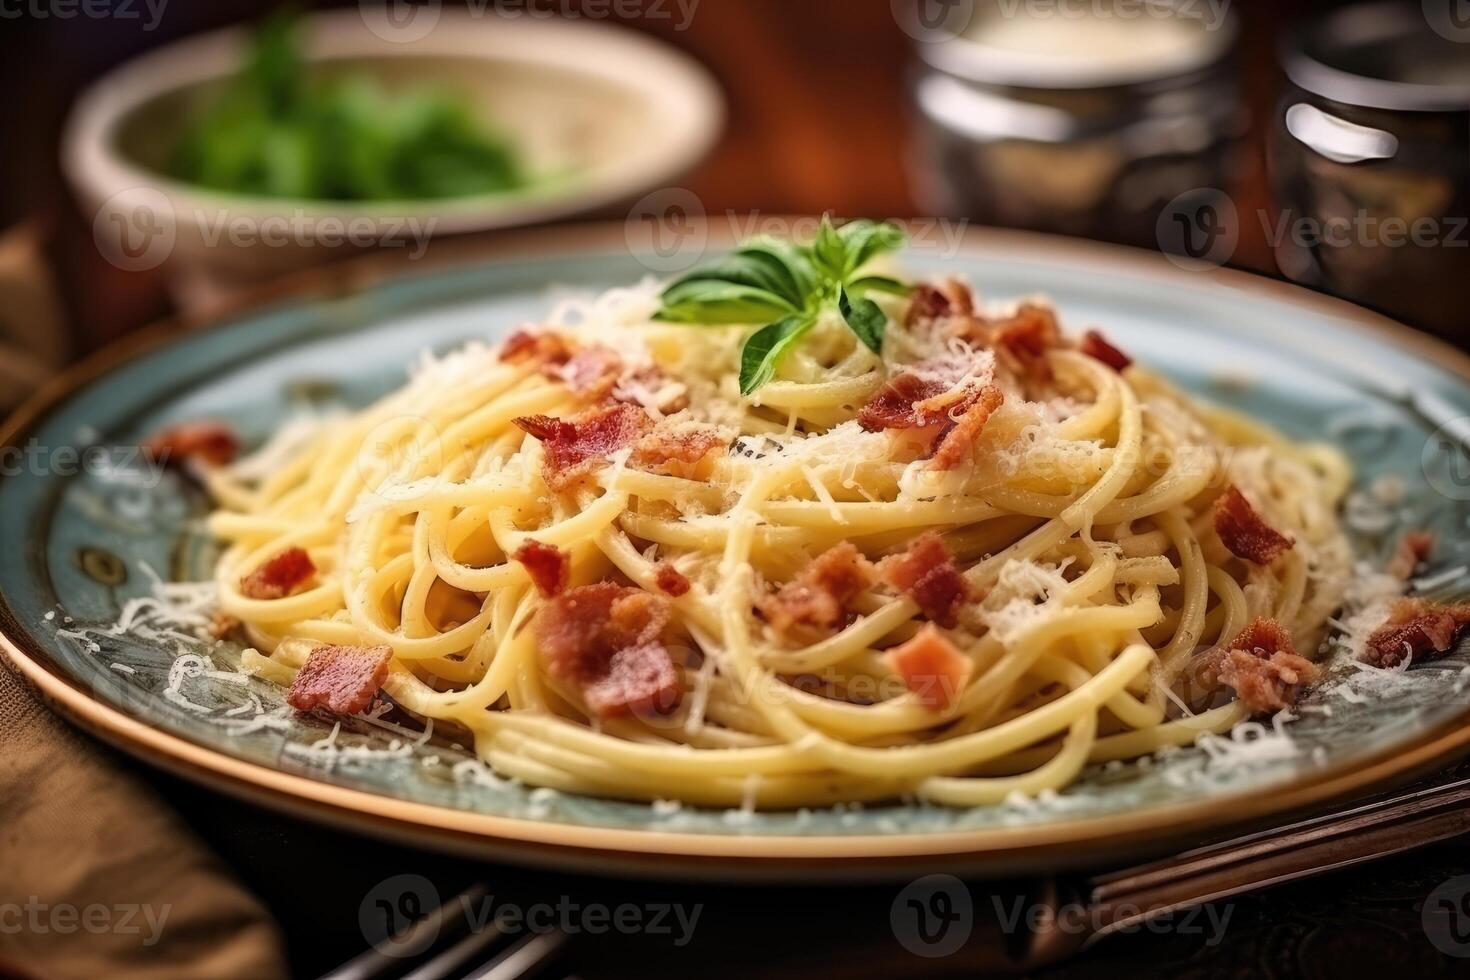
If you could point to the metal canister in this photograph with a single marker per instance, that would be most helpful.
(1370, 161)
(1078, 118)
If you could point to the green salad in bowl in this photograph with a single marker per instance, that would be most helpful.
(276, 131)
(240, 154)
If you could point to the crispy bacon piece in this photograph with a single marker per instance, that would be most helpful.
(678, 449)
(932, 667)
(927, 574)
(1413, 550)
(1243, 531)
(550, 568)
(639, 679)
(545, 348)
(342, 679)
(900, 403)
(577, 446)
(1417, 629)
(1264, 669)
(1095, 345)
(592, 372)
(608, 640)
(957, 441)
(211, 443)
(595, 373)
(935, 301)
(929, 412)
(1022, 340)
(280, 575)
(670, 580)
(815, 601)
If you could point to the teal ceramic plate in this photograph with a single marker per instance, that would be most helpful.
(85, 533)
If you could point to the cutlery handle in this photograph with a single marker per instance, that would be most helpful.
(1130, 897)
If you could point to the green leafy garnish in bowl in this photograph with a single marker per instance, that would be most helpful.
(787, 287)
(276, 132)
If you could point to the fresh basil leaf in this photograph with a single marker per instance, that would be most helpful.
(791, 272)
(865, 319)
(757, 266)
(865, 240)
(787, 287)
(715, 302)
(879, 284)
(764, 348)
(829, 252)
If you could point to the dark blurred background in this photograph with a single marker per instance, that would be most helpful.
(820, 119)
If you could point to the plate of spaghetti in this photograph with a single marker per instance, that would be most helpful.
(827, 554)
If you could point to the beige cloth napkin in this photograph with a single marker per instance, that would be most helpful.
(98, 878)
(33, 342)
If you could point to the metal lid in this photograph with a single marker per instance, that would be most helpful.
(1393, 55)
(1061, 45)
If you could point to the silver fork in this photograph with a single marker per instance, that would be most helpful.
(485, 953)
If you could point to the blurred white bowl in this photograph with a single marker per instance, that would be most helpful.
(617, 113)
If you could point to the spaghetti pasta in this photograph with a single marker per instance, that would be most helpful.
(1075, 535)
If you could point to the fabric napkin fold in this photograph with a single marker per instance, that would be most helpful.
(99, 878)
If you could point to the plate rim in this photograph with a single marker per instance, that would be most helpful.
(564, 843)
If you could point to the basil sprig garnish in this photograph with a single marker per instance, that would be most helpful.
(787, 287)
